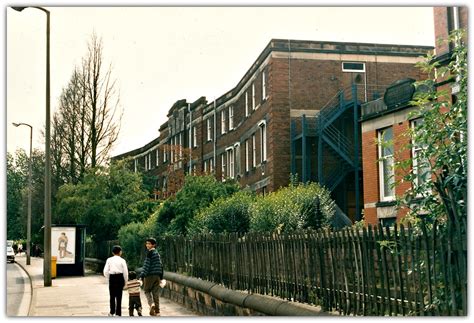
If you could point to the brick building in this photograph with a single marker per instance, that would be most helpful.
(294, 111)
(387, 118)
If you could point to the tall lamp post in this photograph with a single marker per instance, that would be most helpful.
(30, 189)
(47, 172)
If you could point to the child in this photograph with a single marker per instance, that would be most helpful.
(116, 271)
(133, 287)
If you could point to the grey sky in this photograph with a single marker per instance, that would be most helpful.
(160, 55)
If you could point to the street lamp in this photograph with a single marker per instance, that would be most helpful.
(47, 172)
(30, 189)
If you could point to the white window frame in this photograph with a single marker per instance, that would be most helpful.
(135, 164)
(211, 164)
(205, 166)
(247, 155)
(382, 180)
(180, 147)
(263, 140)
(353, 70)
(230, 162)
(247, 103)
(264, 85)
(231, 117)
(223, 165)
(165, 155)
(194, 137)
(172, 149)
(253, 96)
(223, 122)
(157, 157)
(254, 152)
(209, 133)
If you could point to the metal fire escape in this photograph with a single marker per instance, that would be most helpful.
(337, 154)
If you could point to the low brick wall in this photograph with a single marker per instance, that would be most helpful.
(211, 299)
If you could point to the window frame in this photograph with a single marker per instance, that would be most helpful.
(381, 166)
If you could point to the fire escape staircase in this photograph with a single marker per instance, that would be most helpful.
(337, 155)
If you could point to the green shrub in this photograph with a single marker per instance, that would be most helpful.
(132, 240)
(292, 208)
(197, 193)
(226, 214)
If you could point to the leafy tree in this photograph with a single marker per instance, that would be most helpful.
(15, 186)
(442, 135)
(17, 194)
(198, 192)
(105, 200)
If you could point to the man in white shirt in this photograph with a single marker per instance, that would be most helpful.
(116, 271)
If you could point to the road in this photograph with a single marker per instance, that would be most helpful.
(18, 291)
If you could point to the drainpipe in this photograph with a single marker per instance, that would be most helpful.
(190, 138)
(214, 139)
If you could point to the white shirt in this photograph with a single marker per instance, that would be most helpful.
(116, 265)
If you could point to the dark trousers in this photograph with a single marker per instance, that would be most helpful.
(134, 302)
(151, 286)
(116, 283)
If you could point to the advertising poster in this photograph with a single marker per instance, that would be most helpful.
(63, 244)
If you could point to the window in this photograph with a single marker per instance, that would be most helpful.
(388, 222)
(264, 85)
(194, 137)
(253, 96)
(246, 103)
(386, 171)
(247, 153)
(421, 166)
(263, 141)
(180, 146)
(237, 158)
(231, 117)
(211, 165)
(223, 165)
(205, 166)
(165, 155)
(230, 162)
(254, 152)
(135, 164)
(172, 150)
(353, 67)
(223, 122)
(148, 161)
(209, 134)
(157, 157)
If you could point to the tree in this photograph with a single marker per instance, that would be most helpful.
(17, 195)
(87, 122)
(106, 199)
(442, 137)
(103, 102)
(197, 193)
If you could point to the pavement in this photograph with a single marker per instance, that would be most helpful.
(86, 295)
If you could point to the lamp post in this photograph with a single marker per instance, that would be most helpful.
(30, 189)
(47, 172)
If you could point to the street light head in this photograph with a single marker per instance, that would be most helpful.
(15, 124)
(18, 8)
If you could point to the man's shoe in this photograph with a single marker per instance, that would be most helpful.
(152, 310)
(110, 314)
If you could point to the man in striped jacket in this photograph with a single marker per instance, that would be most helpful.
(152, 274)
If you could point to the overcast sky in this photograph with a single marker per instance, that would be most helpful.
(162, 54)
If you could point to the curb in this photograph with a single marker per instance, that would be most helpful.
(33, 290)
